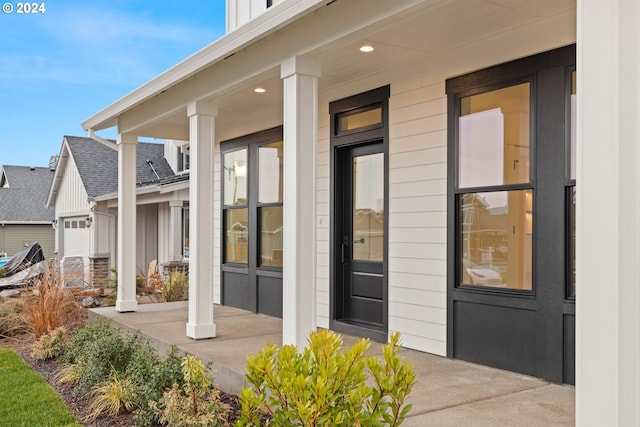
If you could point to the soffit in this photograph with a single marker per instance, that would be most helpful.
(417, 36)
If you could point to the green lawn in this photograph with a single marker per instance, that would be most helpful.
(26, 399)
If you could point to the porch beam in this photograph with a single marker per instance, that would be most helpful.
(126, 292)
(202, 137)
(300, 81)
(608, 212)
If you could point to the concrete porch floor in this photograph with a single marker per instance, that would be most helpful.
(448, 392)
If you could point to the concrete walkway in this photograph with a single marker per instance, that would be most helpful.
(448, 392)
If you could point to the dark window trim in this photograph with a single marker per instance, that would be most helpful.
(379, 96)
(251, 143)
(549, 98)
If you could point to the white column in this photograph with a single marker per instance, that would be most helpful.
(175, 230)
(300, 81)
(608, 214)
(202, 135)
(126, 294)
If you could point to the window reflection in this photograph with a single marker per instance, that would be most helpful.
(270, 158)
(494, 137)
(368, 207)
(235, 177)
(359, 119)
(271, 236)
(237, 235)
(496, 239)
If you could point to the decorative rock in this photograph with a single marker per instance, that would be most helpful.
(10, 293)
(89, 302)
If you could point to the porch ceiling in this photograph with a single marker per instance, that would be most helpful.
(422, 34)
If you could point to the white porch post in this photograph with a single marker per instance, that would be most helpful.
(608, 214)
(126, 293)
(300, 80)
(175, 230)
(202, 137)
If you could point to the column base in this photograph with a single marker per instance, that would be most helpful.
(201, 332)
(126, 306)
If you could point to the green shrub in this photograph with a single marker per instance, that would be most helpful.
(2, 273)
(322, 386)
(196, 403)
(119, 370)
(175, 287)
(12, 321)
(152, 375)
(51, 345)
(98, 349)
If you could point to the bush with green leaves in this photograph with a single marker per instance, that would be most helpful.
(196, 403)
(324, 386)
(119, 370)
(175, 287)
(51, 345)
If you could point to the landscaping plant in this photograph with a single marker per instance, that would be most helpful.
(49, 305)
(51, 345)
(119, 371)
(12, 321)
(197, 403)
(324, 386)
(175, 287)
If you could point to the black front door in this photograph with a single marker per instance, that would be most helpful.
(361, 262)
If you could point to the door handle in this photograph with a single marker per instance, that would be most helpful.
(360, 240)
(342, 256)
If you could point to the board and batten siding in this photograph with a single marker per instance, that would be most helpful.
(417, 214)
(72, 196)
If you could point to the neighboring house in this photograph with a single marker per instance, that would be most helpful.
(24, 218)
(84, 194)
(462, 172)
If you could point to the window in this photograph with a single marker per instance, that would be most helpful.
(185, 233)
(184, 159)
(236, 212)
(252, 185)
(571, 191)
(494, 191)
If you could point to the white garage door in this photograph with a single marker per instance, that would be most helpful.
(76, 251)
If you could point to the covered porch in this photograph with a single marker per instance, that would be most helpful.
(448, 392)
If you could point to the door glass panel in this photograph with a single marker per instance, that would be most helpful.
(368, 207)
(496, 240)
(237, 235)
(271, 236)
(359, 119)
(270, 173)
(235, 178)
(493, 143)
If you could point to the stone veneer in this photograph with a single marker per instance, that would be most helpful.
(98, 271)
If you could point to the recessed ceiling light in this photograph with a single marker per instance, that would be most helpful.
(259, 90)
(366, 48)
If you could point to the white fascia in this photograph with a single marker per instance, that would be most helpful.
(273, 19)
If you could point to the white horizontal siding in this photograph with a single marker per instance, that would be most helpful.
(417, 215)
(323, 197)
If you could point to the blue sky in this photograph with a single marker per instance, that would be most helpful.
(62, 66)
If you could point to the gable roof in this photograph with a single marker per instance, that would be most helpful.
(97, 165)
(23, 198)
